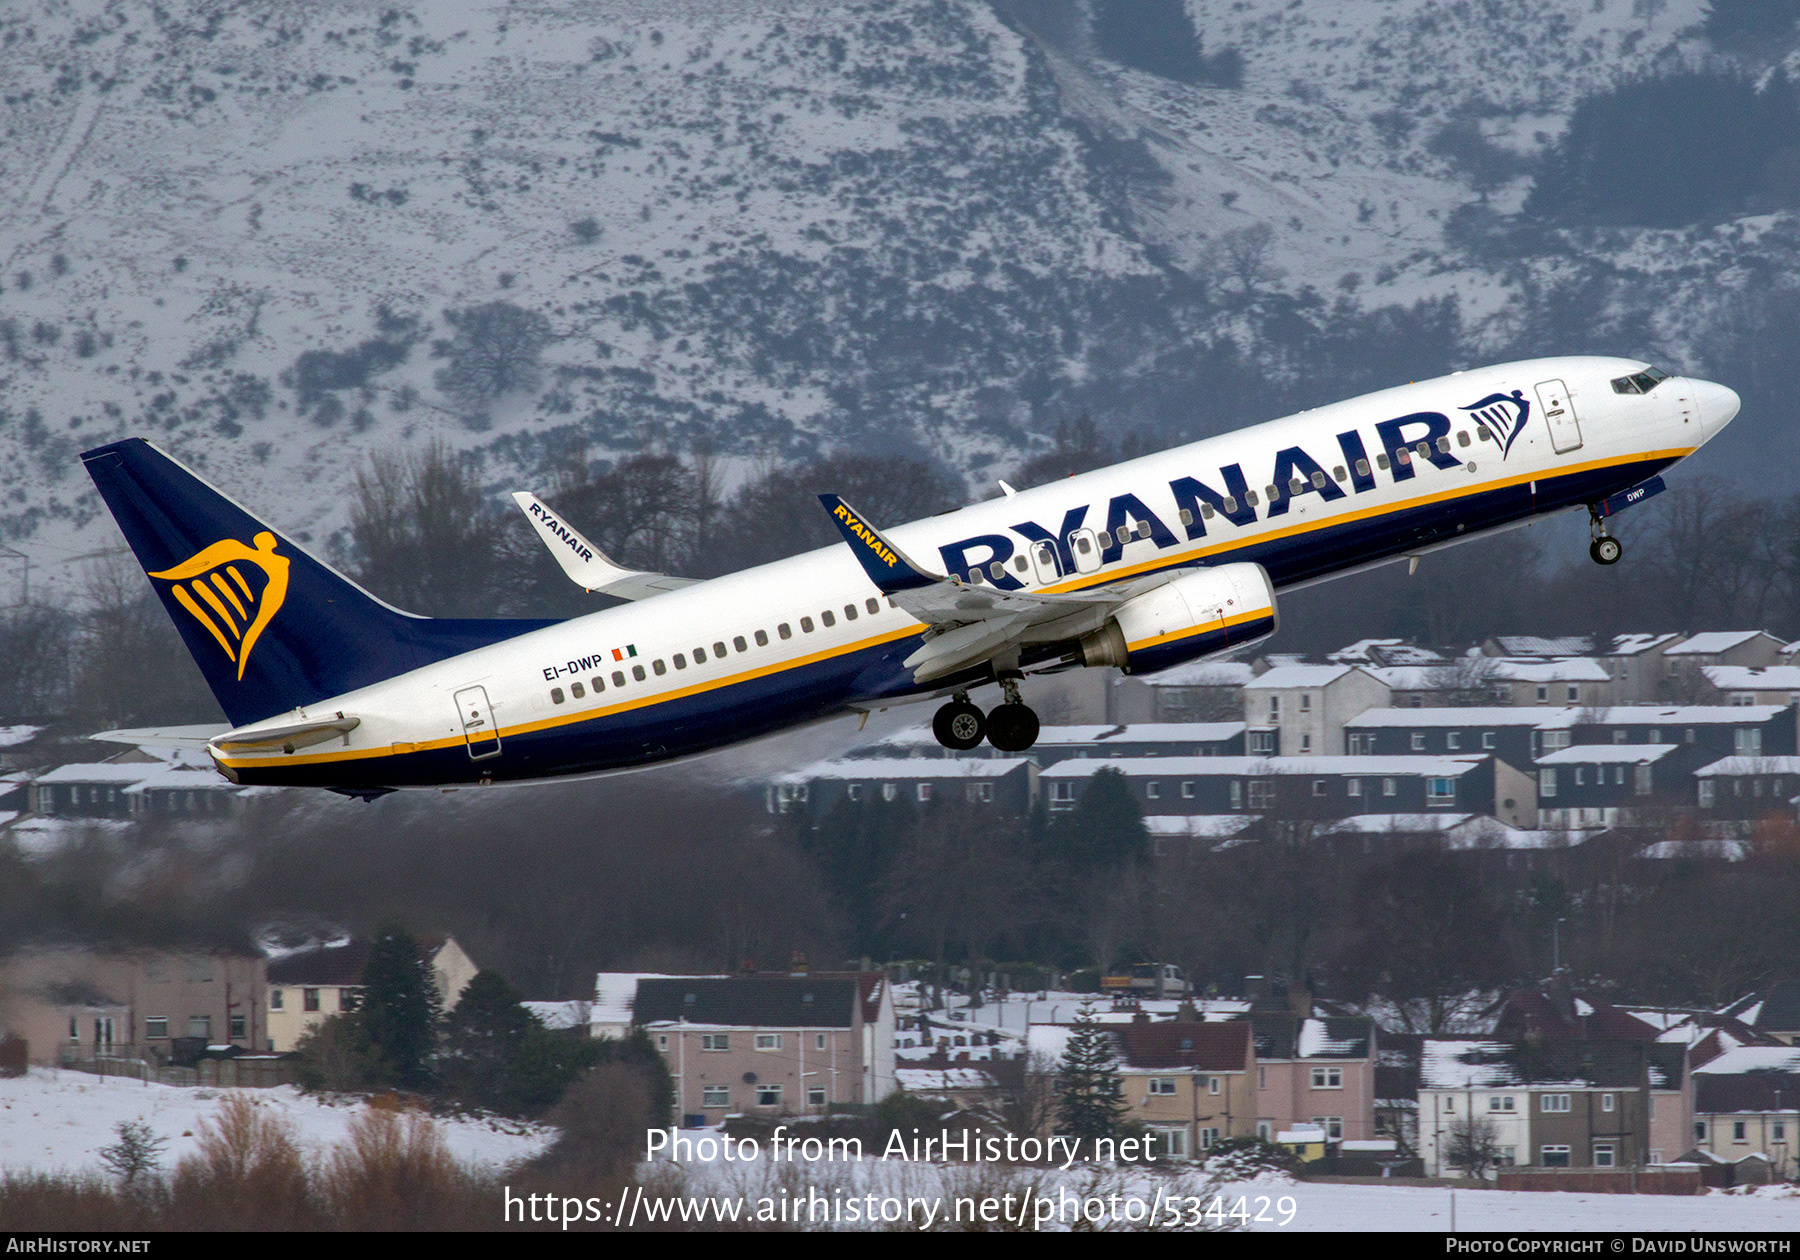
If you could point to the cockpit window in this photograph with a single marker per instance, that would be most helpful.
(1640, 382)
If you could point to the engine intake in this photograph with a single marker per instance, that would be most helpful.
(1195, 615)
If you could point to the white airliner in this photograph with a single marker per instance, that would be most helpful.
(1140, 566)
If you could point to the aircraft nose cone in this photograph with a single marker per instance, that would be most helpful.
(1716, 404)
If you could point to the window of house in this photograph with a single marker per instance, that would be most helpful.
(1327, 1078)
(1440, 791)
(276, 998)
(1187, 789)
(1305, 743)
(200, 1026)
(1778, 1131)
(1152, 790)
(853, 791)
(924, 791)
(1547, 781)
(156, 1027)
(349, 999)
(1162, 1085)
(1641, 781)
(1274, 708)
(239, 1026)
(1509, 1155)
(1747, 742)
(1606, 1102)
(1543, 694)
(768, 1095)
(815, 1096)
(1553, 1156)
(1574, 694)
(1699, 1130)
(1737, 1131)
(74, 1029)
(1706, 794)
(818, 1041)
(1306, 702)
(1207, 1138)
(1262, 742)
(1214, 1084)
(1353, 787)
(1554, 1102)
(715, 1095)
(1487, 740)
(1262, 1078)
(981, 793)
(1237, 794)
(1452, 740)
(309, 999)
(1418, 741)
(768, 1041)
(715, 1041)
(1262, 793)
(1581, 776)
(1603, 1154)
(1450, 1104)
(662, 1041)
(1389, 788)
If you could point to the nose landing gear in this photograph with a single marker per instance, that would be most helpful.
(1605, 549)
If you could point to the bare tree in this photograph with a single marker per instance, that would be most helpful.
(1474, 1147)
(1245, 254)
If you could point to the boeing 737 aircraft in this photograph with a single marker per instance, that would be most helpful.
(1143, 565)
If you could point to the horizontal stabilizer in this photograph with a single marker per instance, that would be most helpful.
(288, 738)
(194, 737)
(886, 565)
(587, 566)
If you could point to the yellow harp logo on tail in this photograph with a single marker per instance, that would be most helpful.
(213, 587)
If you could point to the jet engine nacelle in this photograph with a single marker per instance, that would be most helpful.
(1195, 615)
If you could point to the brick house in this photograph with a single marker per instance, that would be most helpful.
(1315, 1071)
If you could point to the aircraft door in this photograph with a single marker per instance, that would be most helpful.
(1043, 563)
(1559, 416)
(478, 723)
(1086, 550)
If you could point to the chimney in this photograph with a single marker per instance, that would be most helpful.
(1300, 997)
(1141, 1017)
(1187, 1012)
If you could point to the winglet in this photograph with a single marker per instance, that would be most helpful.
(587, 566)
(887, 566)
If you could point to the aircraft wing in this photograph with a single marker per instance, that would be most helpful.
(587, 566)
(968, 623)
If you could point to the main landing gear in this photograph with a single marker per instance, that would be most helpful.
(1010, 726)
(1605, 549)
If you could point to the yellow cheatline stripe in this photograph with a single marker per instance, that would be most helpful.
(239, 579)
(231, 595)
(586, 715)
(1168, 560)
(187, 602)
(1090, 580)
(1224, 623)
(205, 592)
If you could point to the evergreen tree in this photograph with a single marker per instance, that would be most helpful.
(485, 1039)
(1105, 830)
(1089, 1093)
(399, 1013)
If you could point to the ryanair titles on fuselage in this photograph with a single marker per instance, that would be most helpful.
(1402, 440)
(557, 528)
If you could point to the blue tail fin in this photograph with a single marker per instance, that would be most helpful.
(270, 627)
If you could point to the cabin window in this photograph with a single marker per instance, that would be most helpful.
(974, 577)
(1462, 437)
(1339, 474)
(1443, 445)
(874, 606)
(828, 618)
(598, 684)
(719, 650)
(699, 656)
(556, 695)
(1250, 497)
(806, 625)
(659, 667)
(1207, 512)
(1381, 462)
(762, 638)
(619, 678)
(1424, 450)
(1230, 503)
(1402, 458)
(784, 630)
(577, 690)
(1318, 480)
(849, 612)
(680, 661)
(737, 641)
(1272, 492)
(637, 672)
(1019, 563)
(1187, 517)
(1104, 539)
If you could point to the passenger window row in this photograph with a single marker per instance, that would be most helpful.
(680, 659)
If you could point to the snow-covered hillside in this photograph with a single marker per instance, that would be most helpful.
(769, 227)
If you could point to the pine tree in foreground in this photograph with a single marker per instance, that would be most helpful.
(1090, 1096)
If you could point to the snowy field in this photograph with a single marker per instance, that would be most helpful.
(58, 1121)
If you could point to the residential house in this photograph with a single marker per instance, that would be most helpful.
(137, 785)
(1187, 1081)
(1743, 685)
(1562, 1104)
(1308, 787)
(1773, 1011)
(1743, 790)
(1385, 653)
(771, 1044)
(1508, 733)
(1317, 1071)
(1575, 680)
(615, 994)
(1200, 691)
(1008, 785)
(308, 986)
(1638, 666)
(1300, 710)
(1747, 1102)
(1688, 661)
(1608, 784)
(1713, 730)
(76, 1003)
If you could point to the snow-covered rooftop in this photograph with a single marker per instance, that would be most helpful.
(909, 768)
(1726, 766)
(1752, 677)
(1566, 669)
(1465, 1064)
(1635, 644)
(1752, 1059)
(1708, 642)
(1289, 676)
(1595, 754)
(1203, 674)
(1450, 716)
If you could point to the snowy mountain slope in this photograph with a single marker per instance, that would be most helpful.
(771, 227)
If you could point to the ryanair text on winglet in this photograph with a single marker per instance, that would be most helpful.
(863, 532)
(556, 527)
